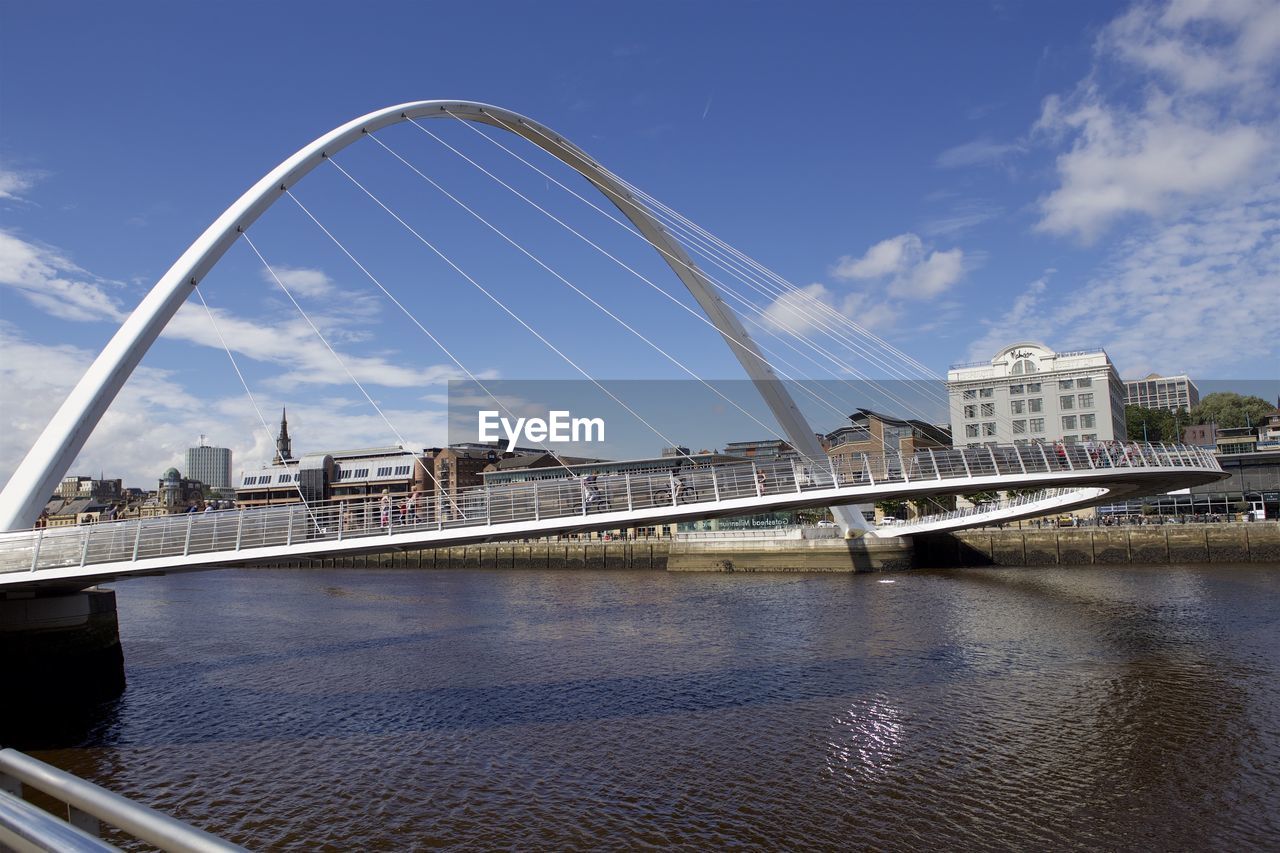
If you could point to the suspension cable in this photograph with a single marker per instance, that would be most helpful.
(405, 310)
(341, 363)
(667, 441)
(870, 355)
(697, 315)
(252, 401)
(576, 289)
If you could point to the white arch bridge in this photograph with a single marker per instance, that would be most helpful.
(557, 504)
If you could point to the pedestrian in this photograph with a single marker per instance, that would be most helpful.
(760, 482)
(591, 492)
(384, 508)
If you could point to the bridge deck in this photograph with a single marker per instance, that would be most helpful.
(86, 554)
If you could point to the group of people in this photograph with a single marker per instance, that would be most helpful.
(1110, 453)
(405, 511)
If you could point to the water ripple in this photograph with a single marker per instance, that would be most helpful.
(390, 709)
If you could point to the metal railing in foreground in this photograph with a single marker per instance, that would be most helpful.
(567, 497)
(24, 826)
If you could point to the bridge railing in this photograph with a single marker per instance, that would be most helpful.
(992, 507)
(559, 497)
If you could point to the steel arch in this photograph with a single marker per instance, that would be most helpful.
(60, 442)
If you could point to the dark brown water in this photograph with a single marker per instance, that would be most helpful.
(1113, 708)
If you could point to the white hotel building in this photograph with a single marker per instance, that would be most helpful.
(1030, 393)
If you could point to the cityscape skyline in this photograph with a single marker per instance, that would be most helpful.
(992, 227)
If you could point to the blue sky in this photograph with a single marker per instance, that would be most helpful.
(952, 176)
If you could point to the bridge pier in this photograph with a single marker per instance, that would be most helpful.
(62, 656)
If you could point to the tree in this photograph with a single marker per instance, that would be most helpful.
(933, 505)
(892, 509)
(980, 498)
(1151, 424)
(1228, 409)
(1011, 494)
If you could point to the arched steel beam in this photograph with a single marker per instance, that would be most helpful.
(56, 448)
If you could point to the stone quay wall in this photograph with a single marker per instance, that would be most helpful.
(790, 555)
(1207, 543)
(1165, 544)
(504, 555)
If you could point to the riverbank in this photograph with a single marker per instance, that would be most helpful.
(1182, 543)
(1201, 543)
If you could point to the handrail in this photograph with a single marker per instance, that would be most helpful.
(24, 826)
(142, 822)
(1020, 500)
(569, 496)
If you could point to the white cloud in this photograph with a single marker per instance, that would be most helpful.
(1145, 162)
(870, 312)
(887, 257)
(963, 216)
(1204, 121)
(57, 286)
(1200, 295)
(800, 311)
(154, 419)
(14, 183)
(294, 345)
(54, 284)
(907, 268)
(301, 281)
(1185, 152)
(931, 276)
(1200, 46)
(979, 152)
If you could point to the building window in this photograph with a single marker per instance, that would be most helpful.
(989, 429)
(1035, 404)
(1023, 365)
(284, 478)
(1067, 401)
(1088, 421)
(971, 411)
(986, 392)
(1084, 382)
(970, 430)
(971, 394)
(1086, 401)
(384, 472)
(1089, 436)
(1064, 384)
(1019, 427)
(1036, 424)
(1069, 439)
(1033, 387)
(402, 470)
(1017, 389)
(1017, 406)
(1068, 421)
(988, 410)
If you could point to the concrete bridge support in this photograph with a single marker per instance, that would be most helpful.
(62, 656)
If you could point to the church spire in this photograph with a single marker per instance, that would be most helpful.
(284, 446)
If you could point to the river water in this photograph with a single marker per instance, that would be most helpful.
(1117, 708)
